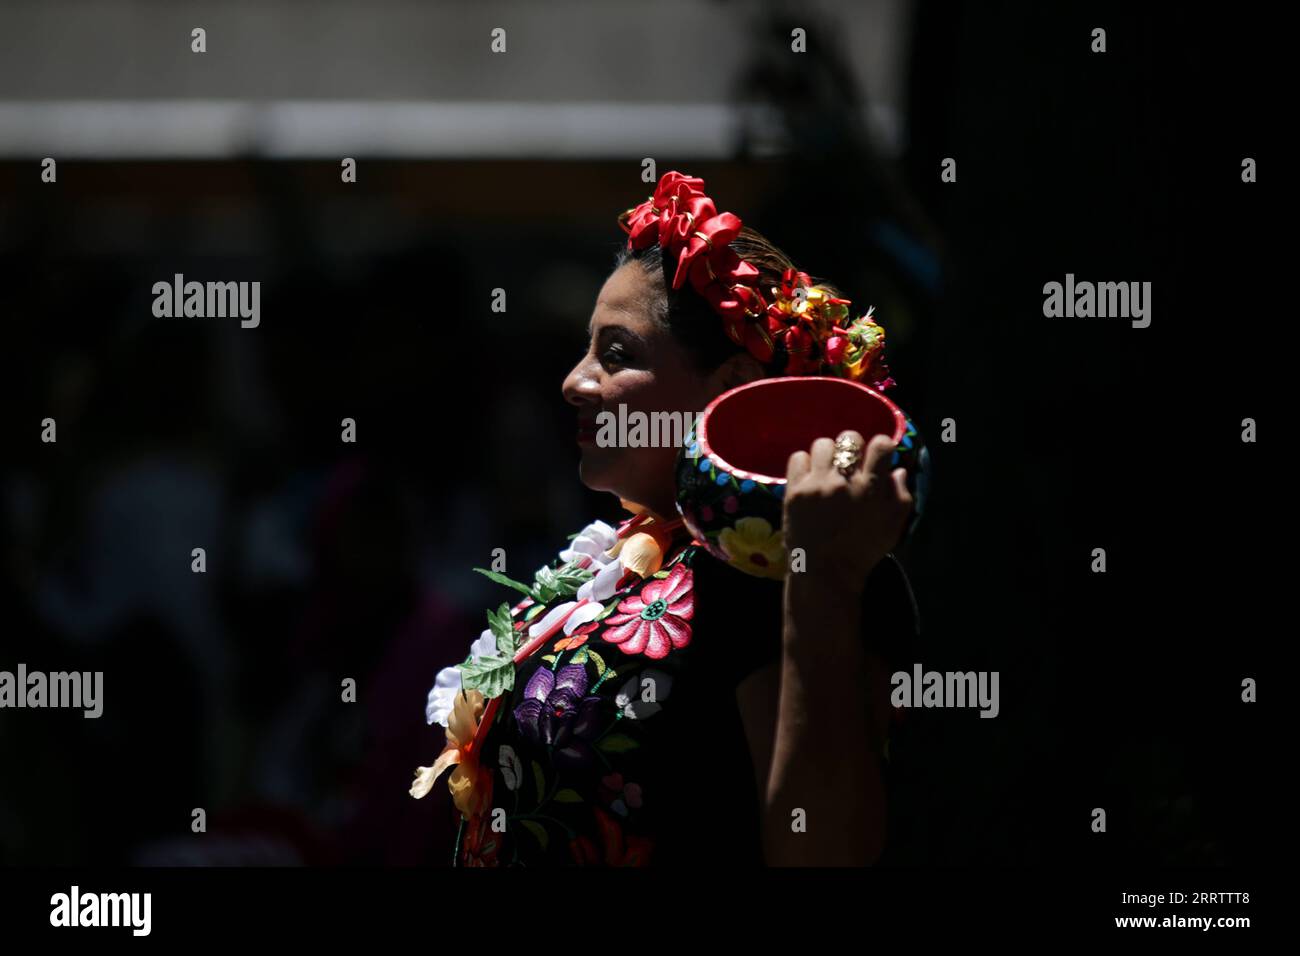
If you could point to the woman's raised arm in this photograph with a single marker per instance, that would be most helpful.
(823, 804)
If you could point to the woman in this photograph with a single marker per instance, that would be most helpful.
(646, 703)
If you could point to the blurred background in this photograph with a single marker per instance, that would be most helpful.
(479, 171)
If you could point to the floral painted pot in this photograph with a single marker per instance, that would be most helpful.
(730, 473)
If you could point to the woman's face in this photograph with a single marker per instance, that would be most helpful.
(634, 361)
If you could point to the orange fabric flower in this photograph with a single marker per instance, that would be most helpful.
(643, 553)
(643, 541)
(470, 784)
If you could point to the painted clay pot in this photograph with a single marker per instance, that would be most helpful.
(730, 472)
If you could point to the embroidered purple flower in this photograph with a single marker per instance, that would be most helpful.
(557, 713)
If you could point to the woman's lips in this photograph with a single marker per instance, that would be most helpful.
(587, 431)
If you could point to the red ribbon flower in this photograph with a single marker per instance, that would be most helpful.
(700, 234)
(648, 222)
(804, 323)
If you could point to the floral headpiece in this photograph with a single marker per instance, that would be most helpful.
(797, 325)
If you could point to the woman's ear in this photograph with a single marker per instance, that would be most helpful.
(741, 369)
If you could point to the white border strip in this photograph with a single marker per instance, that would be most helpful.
(287, 129)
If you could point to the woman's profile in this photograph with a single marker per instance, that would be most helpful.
(646, 703)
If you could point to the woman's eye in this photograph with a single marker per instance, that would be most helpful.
(615, 355)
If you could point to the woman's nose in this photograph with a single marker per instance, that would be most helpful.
(582, 384)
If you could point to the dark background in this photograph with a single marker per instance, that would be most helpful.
(328, 561)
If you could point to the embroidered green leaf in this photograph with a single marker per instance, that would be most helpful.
(598, 661)
(508, 582)
(608, 610)
(616, 743)
(533, 611)
(551, 658)
(568, 796)
(537, 830)
(661, 574)
(539, 778)
(580, 657)
(504, 630)
(491, 676)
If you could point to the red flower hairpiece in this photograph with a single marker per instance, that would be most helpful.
(798, 326)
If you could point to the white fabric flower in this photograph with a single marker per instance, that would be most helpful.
(583, 614)
(485, 646)
(437, 709)
(550, 617)
(594, 540)
(604, 584)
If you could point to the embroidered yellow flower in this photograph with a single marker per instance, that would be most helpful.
(753, 546)
(469, 783)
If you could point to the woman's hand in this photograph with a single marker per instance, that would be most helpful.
(845, 526)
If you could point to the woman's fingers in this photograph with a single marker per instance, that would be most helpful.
(872, 472)
(900, 487)
(800, 464)
(875, 471)
(823, 449)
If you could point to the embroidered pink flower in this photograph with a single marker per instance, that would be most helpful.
(656, 620)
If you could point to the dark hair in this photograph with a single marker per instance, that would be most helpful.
(688, 315)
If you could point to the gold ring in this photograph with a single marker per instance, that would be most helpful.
(848, 454)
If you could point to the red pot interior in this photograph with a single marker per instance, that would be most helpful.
(756, 427)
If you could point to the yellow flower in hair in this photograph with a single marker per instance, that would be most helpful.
(813, 299)
(863, 358)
